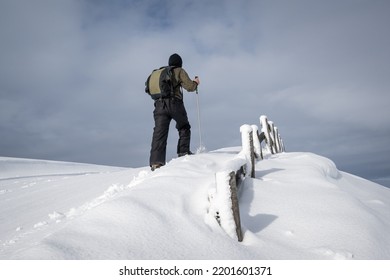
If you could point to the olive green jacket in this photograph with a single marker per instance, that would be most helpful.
(183, 81)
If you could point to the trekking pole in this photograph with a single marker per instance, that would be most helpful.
(201, 148)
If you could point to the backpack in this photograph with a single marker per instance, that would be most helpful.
(160, 84)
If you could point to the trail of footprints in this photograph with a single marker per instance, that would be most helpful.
(57, 217)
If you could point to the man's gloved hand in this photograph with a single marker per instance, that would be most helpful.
(196, 80)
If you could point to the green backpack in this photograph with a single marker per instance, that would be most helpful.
(161, 83)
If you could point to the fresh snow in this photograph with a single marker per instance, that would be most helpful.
(299, 206)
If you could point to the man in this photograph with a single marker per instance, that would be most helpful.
(166, 109)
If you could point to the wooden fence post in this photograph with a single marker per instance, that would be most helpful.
(277, 144)
(266, 130)
(256, 142)
(227, 205)
(235, 205)
(273, 138)
(282, 144)
(247, 147)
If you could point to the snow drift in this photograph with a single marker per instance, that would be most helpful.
(299, 206)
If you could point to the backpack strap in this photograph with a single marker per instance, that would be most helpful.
(176, 83)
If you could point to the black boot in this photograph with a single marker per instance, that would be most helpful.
(185, 154)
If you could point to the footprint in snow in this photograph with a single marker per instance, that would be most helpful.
(40, 224)
(264, 179)
(335, 255)
(28, 185)
(12, 241)
(376, 201)
(4, 191)
(56, 216)
(289, 233)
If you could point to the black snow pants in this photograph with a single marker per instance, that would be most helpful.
(164, 111)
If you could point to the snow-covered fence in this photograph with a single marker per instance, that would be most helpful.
(224, 198)
(270, 133)
(252, 139)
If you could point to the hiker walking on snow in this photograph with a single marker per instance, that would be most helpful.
(168, 108)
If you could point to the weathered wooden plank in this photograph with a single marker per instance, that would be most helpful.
(235, 205)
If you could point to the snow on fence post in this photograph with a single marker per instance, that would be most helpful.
(248, 148)
(281, 144)
(277, 140)
(256, 142)
(261, 137)
(227, 201)
(273, 138)
(265, 129)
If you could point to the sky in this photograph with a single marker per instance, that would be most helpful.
(72, 77)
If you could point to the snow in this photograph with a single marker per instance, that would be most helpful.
(298, 206)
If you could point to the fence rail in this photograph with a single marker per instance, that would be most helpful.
(229, 182)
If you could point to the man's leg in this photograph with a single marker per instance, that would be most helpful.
(160, 134)
(183, 127)
(183, 145)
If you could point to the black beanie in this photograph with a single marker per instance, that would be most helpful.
(175, 60)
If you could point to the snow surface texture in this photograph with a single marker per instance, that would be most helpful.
(299, 206)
